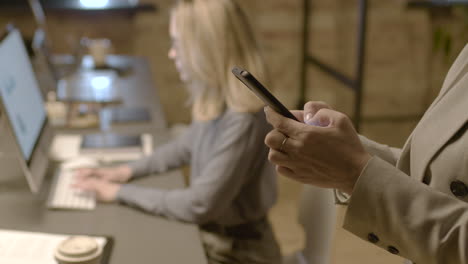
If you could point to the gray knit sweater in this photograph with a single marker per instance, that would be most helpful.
(231, 180)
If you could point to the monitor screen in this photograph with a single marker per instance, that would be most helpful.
(20, 94)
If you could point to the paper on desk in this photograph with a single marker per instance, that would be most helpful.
(18, 247)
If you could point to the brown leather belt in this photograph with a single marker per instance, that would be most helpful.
(247, 231)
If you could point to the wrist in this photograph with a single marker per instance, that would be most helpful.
(361, 163)
(125, 172)
(114, 192)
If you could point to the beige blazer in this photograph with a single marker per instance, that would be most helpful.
(413, 202)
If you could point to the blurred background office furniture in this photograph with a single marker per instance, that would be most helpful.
(86, 5)
(436, 3)
(355, 83)
(139, 237)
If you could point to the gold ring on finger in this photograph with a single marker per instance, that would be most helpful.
(283, 143)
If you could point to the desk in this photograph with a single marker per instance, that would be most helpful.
(139, 237)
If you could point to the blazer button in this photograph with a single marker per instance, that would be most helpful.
(373, 238)
(393, 250)
(458, 188)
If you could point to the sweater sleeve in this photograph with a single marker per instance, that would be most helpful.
(173, 154)
(210, 193)
(389, 154)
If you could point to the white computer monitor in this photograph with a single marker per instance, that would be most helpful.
(23, 105)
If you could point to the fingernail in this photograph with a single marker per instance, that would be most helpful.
(313, 123)
(308, 117)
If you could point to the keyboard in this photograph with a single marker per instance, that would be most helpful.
(63, 195)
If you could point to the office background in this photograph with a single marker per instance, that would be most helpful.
(403, 70)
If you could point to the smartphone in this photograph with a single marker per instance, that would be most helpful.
(261, 92)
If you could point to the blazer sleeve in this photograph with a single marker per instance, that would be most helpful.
(407, 217)
(389, 154)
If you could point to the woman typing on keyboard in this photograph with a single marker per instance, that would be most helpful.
(232, 185)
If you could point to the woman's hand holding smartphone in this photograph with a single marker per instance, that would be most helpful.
(261, 92)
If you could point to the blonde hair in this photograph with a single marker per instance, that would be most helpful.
(214, 36)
